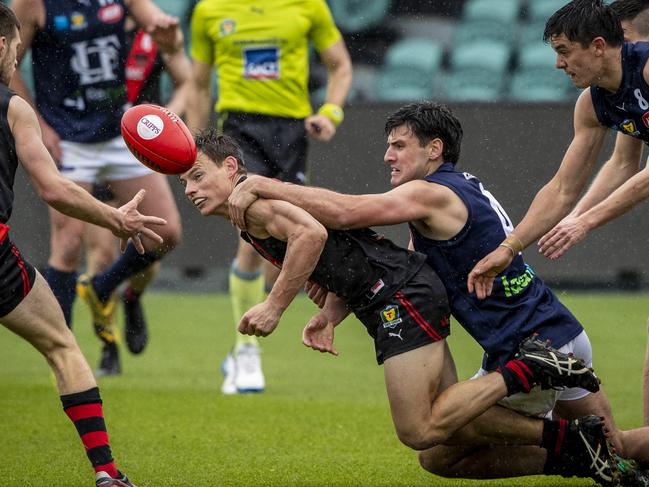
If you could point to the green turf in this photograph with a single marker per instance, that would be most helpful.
(322, 420)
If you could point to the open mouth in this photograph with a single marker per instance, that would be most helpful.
(198, 202)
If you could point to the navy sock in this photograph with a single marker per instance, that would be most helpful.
(63, 285)
(128, 264)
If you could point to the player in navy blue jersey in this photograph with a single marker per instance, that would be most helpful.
(588, 37)
(454, 220)
(27, 305)
(403, 306)
(79, 64)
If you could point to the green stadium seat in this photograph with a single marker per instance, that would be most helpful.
(358, 15)
(174, 7)
(503, 10)
(424, 54)
(537, 55)
(487, 55)
(542, 10)
(403, 84)
(473, 84)
(531, 32)
(471, 30)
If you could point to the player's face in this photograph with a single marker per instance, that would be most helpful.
(408, 160)
(9, 57)
(207, 186)
(583, 66)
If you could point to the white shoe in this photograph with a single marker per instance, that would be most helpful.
(249, 376)
(229, 371)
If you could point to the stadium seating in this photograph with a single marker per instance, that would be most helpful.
(409, 70)
(537, 79)
(358, 15)
(541, 10)
(503, 10)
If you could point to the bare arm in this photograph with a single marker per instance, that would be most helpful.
(305, 238)
(339, 79)
(199, 104)
(179, 68)
(318, 333)
(553, 201)
(411, 201)
(64, 195)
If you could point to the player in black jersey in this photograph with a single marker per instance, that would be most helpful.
(401, 302)
(27, 305)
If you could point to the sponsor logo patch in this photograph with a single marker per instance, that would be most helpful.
(111, 14)
(645, 119)
(628, 127)
(78, 21)
(227, 27)
(261, 63)
(61, 22)
(149, 127)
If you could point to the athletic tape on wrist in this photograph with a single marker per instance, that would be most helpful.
(333, 112)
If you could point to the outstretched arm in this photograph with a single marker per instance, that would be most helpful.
(552, 202)
(318, 333)
(66, 196)
(305, 239)
(411, 201)
(602, 198)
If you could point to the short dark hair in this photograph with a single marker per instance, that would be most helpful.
(8, 22)
(218, 146)
(427, 121)
(583, 20)
(636, 11)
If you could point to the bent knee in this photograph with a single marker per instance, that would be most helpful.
(422, 440)
(435, 464)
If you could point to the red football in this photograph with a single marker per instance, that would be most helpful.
(158, 138)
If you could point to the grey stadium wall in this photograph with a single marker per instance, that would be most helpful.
(513, 148)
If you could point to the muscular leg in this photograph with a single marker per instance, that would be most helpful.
(629, 444)
(429, 406)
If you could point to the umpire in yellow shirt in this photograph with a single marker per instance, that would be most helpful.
(260, 49)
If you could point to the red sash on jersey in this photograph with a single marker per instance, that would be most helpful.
(139, 63)
(4, 230)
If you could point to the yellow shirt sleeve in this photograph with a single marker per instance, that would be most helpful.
(324, 32)
(202, 45)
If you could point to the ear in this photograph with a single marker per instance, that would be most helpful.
(599, 45)
(231, 165)
(435, 148)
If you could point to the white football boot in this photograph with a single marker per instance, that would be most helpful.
(249, 376)
(229, 371)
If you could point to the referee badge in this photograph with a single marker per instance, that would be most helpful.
(228, 26)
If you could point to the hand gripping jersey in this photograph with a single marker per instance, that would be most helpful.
(8, 158)
(79, 69)
(261, 51)
(360, 266)
(626, 110)
(520, 304)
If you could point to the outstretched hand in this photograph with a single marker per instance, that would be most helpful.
(133, 224)
(564, 235)
(240, 200)
(318, 334)
(481, 278)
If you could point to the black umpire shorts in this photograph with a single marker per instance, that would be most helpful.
(16, 275)
(274, 147)
(414, 316)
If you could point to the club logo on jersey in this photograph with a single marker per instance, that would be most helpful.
(261, 63)
(61, 22)
(150, 126)
(628, 127)
(78, 21)
(390, 316)
(96, 60)
(111, 14)
(227, 27)
(645, 119)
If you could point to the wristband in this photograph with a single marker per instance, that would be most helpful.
(513, 243)
(333, 112)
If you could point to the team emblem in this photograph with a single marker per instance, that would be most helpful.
(628, 127)
(78, 21)
(228, 26)
(390, 316)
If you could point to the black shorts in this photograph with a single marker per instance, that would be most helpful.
(414, 316)
(16, 275)
(103, 192)
(274, 147)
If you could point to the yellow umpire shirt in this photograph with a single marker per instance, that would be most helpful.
(260, 49)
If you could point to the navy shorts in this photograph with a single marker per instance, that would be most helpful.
(414, 316)
(274, 147)
(16, 275)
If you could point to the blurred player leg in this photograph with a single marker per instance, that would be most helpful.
(645, 383)
(242, 367)
(39, 320)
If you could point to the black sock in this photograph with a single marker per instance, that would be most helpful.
(518, 377)
(64, 286)
(128, 264)
(554, 434)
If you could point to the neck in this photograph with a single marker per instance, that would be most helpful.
(611, 78)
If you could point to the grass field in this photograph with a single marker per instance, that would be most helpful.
(322, 420)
